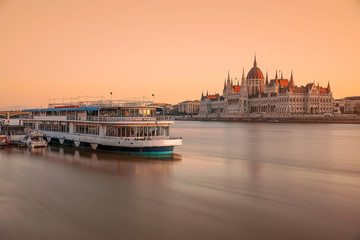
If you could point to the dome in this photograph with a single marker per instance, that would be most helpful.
(255, 72)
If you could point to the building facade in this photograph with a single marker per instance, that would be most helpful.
(188, 107)
(352, 104)
(257, 94)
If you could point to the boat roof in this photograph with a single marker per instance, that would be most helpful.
(81, 108)
(63, 109)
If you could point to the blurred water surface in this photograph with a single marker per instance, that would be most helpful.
(228, 181)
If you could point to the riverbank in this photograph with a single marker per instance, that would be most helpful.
(340, 119)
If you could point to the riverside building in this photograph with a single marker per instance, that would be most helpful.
(257, 95)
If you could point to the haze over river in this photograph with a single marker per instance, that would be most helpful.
(228, 181)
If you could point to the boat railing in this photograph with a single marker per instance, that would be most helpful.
(26, 117)
(109, 119)
(149, 138)
(165, 118)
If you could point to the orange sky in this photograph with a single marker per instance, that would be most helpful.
(174, 49)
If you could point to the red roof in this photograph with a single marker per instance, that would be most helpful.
(284, 82)
(212, 96)
(255, 73)
(323, 90)
(237, 88)
(72, 106)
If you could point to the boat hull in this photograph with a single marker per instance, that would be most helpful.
(134, 146)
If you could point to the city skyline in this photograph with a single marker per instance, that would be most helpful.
(174, 50)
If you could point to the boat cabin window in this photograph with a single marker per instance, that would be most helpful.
(91, 113)
(137, 131)
(87, 129)
(53, 126)
(127, 112)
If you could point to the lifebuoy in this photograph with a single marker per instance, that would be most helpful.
(6, 142)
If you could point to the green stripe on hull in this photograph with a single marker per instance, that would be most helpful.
(153, 153)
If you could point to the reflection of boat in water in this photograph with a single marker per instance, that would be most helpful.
(121, 125)
(34, 139)
(102, 161)
(111, 162)
(108, 156)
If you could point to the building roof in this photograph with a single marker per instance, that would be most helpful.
(62, 109)
(283, 82)
(353, 98)
(309, 85)
(237, 88)
(323, 90)
(272, 82)
(255, 72)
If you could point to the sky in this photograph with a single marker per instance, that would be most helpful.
(173, 49)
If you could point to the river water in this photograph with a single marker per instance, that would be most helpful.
(228, 181)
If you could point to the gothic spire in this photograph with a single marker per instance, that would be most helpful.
(243, 81)
(267, 78)
(228, 78)
(276, 77)
(291, 79)
(202, 95)
(255, 63)
(282, 75)
(328, 87)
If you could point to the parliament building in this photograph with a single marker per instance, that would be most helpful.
(259, 96)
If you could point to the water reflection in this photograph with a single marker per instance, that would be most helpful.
(105, 161)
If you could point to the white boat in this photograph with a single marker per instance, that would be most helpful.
(3, 140)
(34, 139)
(125, 125)
(13, 133)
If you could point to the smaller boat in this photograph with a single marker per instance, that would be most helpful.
(3, 140)
(34, 139)
(14, 133)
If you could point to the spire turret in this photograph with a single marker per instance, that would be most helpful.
(255, 63)
(243, 88)
(267, 78)
(276, 77)
(228, 78)
(243, 80)
(291, 79)
(328, 87)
